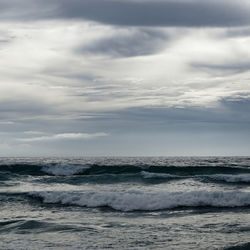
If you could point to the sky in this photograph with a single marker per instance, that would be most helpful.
(124, 77)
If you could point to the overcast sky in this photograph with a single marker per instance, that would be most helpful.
(124, 77)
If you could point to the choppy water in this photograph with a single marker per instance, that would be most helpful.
(125, 203)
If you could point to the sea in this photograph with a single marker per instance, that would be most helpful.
(125, 203)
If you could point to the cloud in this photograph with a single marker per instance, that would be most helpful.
(4, 41)
(128, 43)
(231, 68)
(236, 32)
(31, 132)
(6, 123)
(145, 131)
(159, 13)
(5, 147)
(230, 113)
(192, 13)
(64, 136)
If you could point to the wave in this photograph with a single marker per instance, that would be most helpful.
(238, 178)
(95, 169)
(150, 175)
(43, 169)
(138, 200)
(244, 246)
(25, 226)
(78, 174)
(22, 169)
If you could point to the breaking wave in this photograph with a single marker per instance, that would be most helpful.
(137, 200)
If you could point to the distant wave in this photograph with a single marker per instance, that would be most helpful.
(43, 169)
(58, 169)
(230, 178)
(145, 201)
(83, 173)
(22, 169)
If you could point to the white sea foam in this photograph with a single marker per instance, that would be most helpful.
(138, 200)
(231, 178)
(64, 170)
(148, 175)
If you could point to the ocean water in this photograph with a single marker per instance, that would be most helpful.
(125, 203)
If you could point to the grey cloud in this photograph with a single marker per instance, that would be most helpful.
(238, 105)
(140, 128)
(5, 5)
(6, 37)
(59, 72)
(229, 68)
(24, 108)
(128, 43)
(159, 13)
(4, 41)
(237, 32)
(134, 13)
(231, 114)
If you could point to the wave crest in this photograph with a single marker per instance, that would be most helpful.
(149, 175)
(64, 170)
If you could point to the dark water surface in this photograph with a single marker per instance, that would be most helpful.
(125, 203)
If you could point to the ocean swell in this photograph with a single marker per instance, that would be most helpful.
(64, 169)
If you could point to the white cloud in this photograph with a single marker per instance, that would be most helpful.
(6, 123)
(31, 132)
(41, 75)
(5, 146)
(64, 136)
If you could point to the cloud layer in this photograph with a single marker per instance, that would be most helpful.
(192, 13)
(158, 77)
